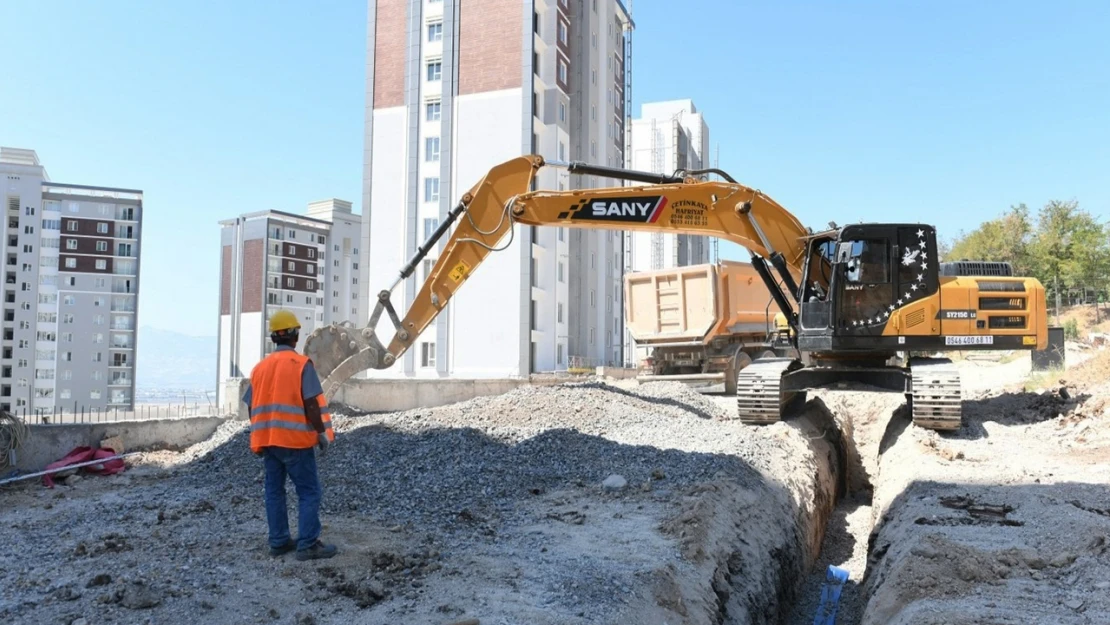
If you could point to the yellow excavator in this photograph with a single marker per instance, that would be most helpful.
(860, 302)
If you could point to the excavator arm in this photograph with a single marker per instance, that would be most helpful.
(486, 214)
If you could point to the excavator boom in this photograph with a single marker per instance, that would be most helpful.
(485, 216)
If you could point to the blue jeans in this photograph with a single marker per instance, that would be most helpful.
(300, 466)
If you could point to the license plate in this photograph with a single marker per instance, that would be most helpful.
(969, 340)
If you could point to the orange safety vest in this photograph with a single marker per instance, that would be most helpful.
(277, 408)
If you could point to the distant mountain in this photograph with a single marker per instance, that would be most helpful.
(169, 360)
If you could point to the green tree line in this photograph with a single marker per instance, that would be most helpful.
(1063, 246)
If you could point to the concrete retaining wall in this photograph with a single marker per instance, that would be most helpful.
(50, 442)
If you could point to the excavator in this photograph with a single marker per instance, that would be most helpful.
(863, 303)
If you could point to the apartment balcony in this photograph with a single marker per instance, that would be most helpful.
(120, 381)
(123, 308)
(123, 269)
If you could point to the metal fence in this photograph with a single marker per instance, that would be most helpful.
(141, 412)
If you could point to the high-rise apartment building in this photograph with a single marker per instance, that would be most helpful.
(71, 287)
(666, 137)
(272, 260)
(453, 88)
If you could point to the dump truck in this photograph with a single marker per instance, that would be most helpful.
(701, 324)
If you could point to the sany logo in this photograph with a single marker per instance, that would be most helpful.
(624, 209)
(643, 209)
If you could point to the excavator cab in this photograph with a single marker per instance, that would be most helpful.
(872, 270)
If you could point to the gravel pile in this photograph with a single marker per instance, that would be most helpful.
(551, 498)
(432, 467)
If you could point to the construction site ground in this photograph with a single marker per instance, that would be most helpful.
(608, 503)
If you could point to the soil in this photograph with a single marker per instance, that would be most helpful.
(581, 503)
(610, 503)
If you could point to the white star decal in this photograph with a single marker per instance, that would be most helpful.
(921, 234)
(923, 265)
(892, 307)
(886, 315)
(855, 323)
(920, 277)
(907, 294)
(900, 301)
(913, 287)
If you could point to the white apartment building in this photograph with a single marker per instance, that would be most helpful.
(666, 137)
(272, 260)
(454, 88)
(71, 288)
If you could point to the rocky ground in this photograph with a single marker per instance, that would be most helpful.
(570, 504)
(594, 503)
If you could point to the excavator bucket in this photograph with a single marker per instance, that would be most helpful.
(339, 351)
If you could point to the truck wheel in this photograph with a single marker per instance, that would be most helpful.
(741, 361)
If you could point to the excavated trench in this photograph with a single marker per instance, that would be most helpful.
(752, 551)
(767, 559)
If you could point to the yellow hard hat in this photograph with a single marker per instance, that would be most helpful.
(283, 320)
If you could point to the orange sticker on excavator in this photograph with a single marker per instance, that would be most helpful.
(459, 273)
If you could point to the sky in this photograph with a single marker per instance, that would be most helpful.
(937, 112)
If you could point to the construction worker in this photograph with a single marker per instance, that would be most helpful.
(289, 419)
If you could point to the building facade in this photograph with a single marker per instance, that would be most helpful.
(666, 137)
(72, 257)
(273, 260)
(453, 88)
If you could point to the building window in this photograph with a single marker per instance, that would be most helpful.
(289, 282)
(291, 265)
(311, 253)
(593, 76)
(559, 312)
(102, 227)
(562, 67)
(560, 271)
(430, 225)
(562, 112)
(435, 31)
(432, 111)
(562, 152)
(71, 225)
(102, 246)
(431, 149)
(101, 264)
(435, 71)
(427, 354)
(71, 263)
(68, 300)
(71, 244)
(431, 189)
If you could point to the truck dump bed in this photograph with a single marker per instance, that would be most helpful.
(697, 303)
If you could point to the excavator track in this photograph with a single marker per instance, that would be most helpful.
(759, 396)
(936, 401)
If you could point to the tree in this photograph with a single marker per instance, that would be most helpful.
(1005, 239)
(1070, 249)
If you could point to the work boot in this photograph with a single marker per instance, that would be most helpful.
(317, 551)
(290, 545)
